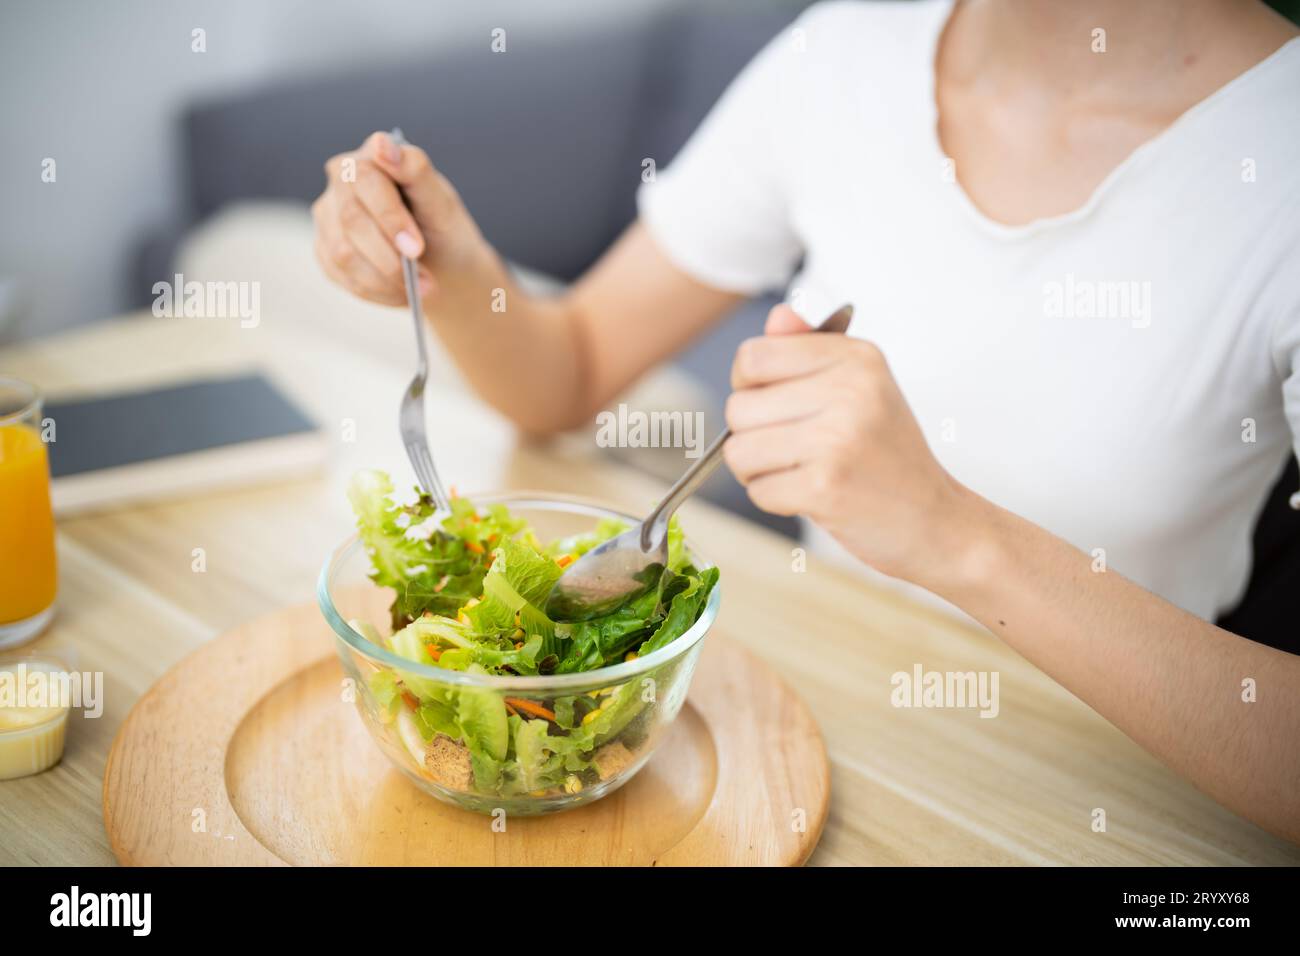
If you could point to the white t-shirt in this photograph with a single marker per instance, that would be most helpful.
(1126, 375)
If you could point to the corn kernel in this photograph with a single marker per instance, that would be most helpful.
(572, 784)
(590, 717)
(631, 656)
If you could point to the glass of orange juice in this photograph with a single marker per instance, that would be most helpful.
(28, 573)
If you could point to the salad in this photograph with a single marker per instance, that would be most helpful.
(469, 590)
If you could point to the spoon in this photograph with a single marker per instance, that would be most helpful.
(631, 563)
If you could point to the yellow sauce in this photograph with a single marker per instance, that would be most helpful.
(31, 736)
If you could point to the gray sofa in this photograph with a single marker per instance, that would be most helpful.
(545, 144)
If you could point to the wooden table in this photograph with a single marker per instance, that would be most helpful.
(909, 786)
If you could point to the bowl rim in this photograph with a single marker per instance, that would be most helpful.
(604, 676)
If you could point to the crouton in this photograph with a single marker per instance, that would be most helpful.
(447, 763)
(611, 760)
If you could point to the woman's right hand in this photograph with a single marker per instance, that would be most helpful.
(363, 225)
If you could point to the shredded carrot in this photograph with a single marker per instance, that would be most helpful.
(510, 710)
(564, 560)
(434, 650)
(531, 707)
(410, 699)
(474, 546)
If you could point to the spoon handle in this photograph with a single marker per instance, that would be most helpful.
(655, 526)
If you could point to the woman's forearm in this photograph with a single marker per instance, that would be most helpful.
(520, 352)
(1171, 681)
(550, 363)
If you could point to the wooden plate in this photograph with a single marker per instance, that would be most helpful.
(246, 753)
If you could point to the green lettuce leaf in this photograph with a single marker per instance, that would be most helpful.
(531, 752)
(684, 611)
(394, 557)
(517, 584)
(437, 717)
(481, 714)
(433, 574)
(384, 689)
(604, 640)
(678, 558)
(580, 544)
(467, 650)
(616, 711)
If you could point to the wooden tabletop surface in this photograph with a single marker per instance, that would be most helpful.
(909, 786)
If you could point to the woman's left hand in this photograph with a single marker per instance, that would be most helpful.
(821, 429)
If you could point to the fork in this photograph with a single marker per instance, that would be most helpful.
(411, 419)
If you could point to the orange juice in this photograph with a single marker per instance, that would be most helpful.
(27, 566)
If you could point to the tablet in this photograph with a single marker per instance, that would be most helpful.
(177, 439)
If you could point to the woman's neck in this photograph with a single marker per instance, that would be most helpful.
(1102, 50)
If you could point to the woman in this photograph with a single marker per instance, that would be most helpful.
(1071, 235)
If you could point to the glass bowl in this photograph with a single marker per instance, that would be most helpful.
(620, 713)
